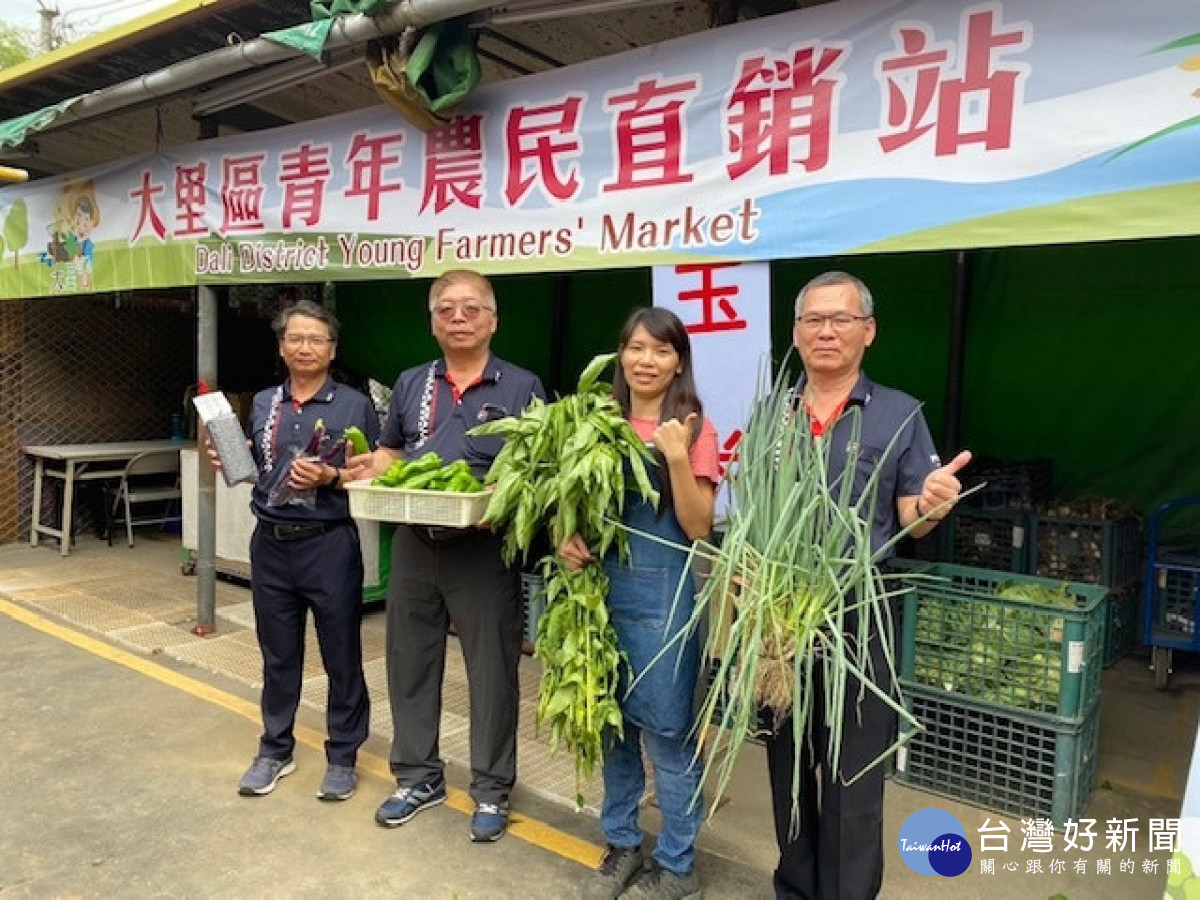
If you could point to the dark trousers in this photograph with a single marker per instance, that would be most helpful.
(833, 848)
(460, 578)
(288, 578)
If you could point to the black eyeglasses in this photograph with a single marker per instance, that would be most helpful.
(839, 321)
(315, 341)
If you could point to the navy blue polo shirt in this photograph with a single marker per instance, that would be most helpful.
(279, 426)
(425, 415)
(888, 417)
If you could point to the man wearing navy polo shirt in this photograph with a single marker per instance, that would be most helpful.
(837, 851)
(443, 574)
(306, 557)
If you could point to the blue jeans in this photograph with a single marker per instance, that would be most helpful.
(677, 776)
(658, 711)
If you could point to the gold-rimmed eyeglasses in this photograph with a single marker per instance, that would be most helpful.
(470, 311)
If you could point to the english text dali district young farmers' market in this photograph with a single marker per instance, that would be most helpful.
(617, 235)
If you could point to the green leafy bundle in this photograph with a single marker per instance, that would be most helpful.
(564, 469)
(793, 591)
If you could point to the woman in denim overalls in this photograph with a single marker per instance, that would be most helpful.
(655, 387)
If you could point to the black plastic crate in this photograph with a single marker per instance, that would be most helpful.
(1027, 765)
(987, 539)
(931, 548)
(1021, 484)
(1092, 550)
(1122, 621)
(533, 595)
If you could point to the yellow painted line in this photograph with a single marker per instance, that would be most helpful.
(523, 827)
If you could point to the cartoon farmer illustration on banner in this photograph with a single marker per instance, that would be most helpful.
(70, 253)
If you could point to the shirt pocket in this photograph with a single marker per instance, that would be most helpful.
(480, 450)
(870, 459)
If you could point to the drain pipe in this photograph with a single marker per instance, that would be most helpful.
(200, 70)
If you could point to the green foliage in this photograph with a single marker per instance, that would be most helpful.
(793, 590)
(16, 229)
(1182, 885)
(16, 45)
(563, 469)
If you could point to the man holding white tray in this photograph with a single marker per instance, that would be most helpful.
(441, 574)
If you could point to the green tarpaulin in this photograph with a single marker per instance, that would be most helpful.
(13, 131)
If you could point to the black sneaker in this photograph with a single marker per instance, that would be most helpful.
(264, 773)
(657, 883)
(408, 801)
(621, 865)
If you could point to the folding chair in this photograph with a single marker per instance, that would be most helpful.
(150, 479)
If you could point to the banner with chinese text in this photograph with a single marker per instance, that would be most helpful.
(884, 126)
(726, 309)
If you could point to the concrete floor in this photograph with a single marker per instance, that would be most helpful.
(126, 735)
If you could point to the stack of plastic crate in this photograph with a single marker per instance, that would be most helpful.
(1094, 542)
(1021, 484)
(1006, 689)
(987, 538)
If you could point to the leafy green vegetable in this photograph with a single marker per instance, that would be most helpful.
(565, 468)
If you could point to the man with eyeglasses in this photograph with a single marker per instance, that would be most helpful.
(305, 555)
(836, 852)
(445, 574)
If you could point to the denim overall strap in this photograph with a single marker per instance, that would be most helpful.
(641, 595)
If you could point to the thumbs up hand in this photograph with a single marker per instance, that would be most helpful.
(942, 488)
(674, 438)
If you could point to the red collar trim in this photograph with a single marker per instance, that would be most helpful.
(458, 392)
(818, 427)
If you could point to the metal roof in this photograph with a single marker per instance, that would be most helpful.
(515, 38)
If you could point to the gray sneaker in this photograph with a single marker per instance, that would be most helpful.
(657, 883)
(264, 773)
(339, 783)
(620, 866)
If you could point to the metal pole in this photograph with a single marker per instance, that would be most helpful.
(206, 495)
(192, 73)
(48, 16)
(956, 364)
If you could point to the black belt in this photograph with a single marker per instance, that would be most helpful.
(299, 532)
(440, 533)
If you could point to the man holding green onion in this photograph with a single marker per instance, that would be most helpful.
(832, 848)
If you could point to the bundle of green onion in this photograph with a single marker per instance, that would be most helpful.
(792, 588)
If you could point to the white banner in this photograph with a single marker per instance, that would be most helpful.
(726, 309)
